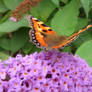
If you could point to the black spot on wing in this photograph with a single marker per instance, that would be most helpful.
(38, 25)
(43, 34)
(37, 20)
(44, 25)
(50, 30)
(44, 30)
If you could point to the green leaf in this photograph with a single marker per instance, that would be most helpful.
(65, 1)
(2, 33)
(7, 15)
(18, 40)
(30, 48)
(65, 20)
(27, 48)
(56, 2)
(35, 49)
(86, 5)
(10, 26)
(67, 49)
(3, 8)
(43, 10)
(82, 22)
(90, 1)
(12, 4)
(3, 56)
(85, 51)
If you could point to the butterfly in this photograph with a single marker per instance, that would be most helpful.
(44, 37)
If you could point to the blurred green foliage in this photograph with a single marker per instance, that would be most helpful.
(64, 16)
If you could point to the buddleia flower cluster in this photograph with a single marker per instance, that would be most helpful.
(50, 71)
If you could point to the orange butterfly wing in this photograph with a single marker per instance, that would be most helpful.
(72, 37)
(40, 31)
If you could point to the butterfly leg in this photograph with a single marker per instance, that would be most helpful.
(45, 49)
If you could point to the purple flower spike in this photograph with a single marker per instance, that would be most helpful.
(50, 71)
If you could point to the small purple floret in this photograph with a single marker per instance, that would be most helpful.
(13, 19)
(50, 71)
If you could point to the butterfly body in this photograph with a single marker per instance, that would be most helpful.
(44, 37)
